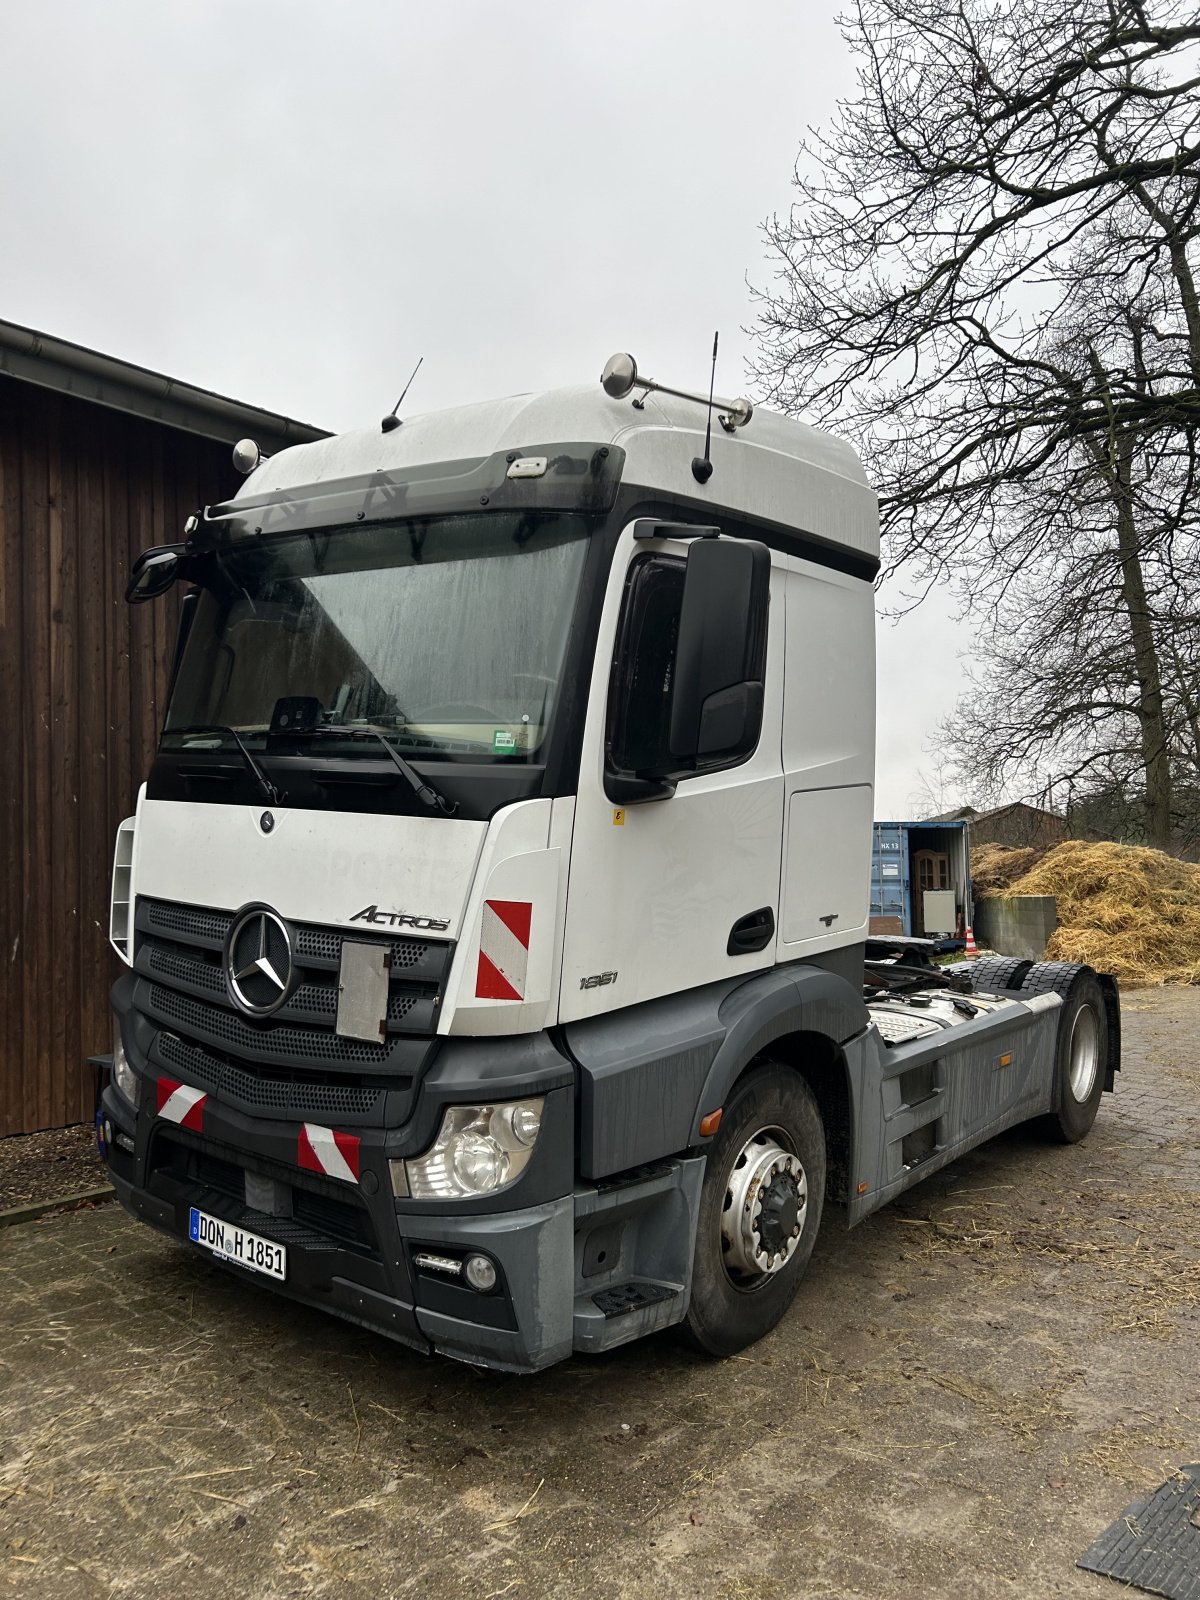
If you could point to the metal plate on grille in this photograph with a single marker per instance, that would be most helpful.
(1155, 1544)
(363, 991)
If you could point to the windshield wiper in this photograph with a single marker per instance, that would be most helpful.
(264, 783)
(424, 790)
(420, 787)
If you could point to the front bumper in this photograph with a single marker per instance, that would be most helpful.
(352, 1250)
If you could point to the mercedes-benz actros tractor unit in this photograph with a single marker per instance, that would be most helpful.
(495, 910)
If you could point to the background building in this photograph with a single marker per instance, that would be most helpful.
(1015, 825)
(98, 460)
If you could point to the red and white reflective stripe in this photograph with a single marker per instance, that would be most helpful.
(179, 1102)
(326, 1150)
(503, 950)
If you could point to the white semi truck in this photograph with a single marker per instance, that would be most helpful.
(495, 910)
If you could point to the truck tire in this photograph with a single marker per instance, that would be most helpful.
(760, 1210)
(1081, 1046)
(990, 973)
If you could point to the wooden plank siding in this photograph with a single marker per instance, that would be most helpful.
(82, 490)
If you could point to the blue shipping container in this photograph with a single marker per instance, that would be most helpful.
(897, 897)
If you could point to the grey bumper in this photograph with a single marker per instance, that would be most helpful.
(354, 1253)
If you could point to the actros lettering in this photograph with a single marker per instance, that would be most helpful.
(400, 919)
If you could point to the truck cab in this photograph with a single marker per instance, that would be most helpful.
(495, 911)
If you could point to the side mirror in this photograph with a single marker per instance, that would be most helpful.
(721, 656)
(154, 572)
(688, 678)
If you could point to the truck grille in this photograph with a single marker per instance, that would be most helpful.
(292, 1063)
(280, 1093)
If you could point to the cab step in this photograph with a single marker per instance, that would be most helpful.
(626, 1311)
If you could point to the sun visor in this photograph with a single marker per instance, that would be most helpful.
(579, 477)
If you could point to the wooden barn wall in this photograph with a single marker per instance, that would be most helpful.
(82, 677)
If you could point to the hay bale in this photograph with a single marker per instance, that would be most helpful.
(1121, 909)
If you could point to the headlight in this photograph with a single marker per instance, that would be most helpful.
(125, 1078)
(478, 1150)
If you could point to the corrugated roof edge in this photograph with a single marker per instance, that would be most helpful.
(57, 364)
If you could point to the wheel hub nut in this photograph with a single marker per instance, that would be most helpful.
(779, 1211)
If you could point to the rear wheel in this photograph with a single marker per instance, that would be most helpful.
(760, 1209)
(990, 973)
(1081, 1047)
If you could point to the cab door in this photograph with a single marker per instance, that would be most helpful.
(670, 893)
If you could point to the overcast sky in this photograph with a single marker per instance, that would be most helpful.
(290, 202)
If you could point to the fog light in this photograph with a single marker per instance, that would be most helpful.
(480, 1273)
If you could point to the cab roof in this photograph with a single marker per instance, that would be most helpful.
(774, 468)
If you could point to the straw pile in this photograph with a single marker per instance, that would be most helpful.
(1121, 909)
(996, 867)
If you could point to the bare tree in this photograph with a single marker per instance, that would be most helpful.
(988, 281)
(1056, 700)
(938, 790)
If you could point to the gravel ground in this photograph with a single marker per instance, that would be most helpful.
(971, 1386)
(45, 1166)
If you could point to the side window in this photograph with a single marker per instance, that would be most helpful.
(644, 664)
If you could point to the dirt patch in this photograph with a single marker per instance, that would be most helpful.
(1139, 1257)
(49, 1166)
(1119, 1452)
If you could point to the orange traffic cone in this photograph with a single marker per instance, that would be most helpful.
(971, 949)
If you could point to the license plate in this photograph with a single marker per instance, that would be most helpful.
(230, 1243)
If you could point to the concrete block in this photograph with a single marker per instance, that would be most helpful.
(1016, 925)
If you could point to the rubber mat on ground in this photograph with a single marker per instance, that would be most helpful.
(1155, 1544)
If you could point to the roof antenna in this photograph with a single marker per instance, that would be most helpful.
(702, 467)
(392, 420)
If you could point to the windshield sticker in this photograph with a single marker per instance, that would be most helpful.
(504, 743)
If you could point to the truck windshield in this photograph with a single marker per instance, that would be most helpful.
(446, 635)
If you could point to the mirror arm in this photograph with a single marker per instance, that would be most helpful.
(656, 528)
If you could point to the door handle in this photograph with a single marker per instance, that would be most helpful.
(751, 932)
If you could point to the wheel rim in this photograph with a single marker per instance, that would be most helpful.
(1085, 1052)
(766, 1201)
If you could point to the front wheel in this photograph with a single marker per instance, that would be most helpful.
(760, 1209)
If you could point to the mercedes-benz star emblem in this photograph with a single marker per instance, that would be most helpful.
(258, 961)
